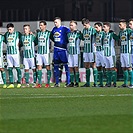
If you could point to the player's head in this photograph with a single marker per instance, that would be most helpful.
(106, 26)
(57, 22)
(131, 23)
(26, 29)
(98, 26)
(122, 24)
(86, 23)
(10, 27)
(73, 25)
(42, 25)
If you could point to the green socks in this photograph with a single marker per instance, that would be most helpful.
(95, 73)
(18, 74)
(39, 76)
(26, 77)
(109, 77)
(101, 77)
(77, 77)
(125, 75)
(114, 76)
(88, 76)
(131, 77)
(3, 76)
(11, 79)
(48, 76)
(72, 77)
(34, 77)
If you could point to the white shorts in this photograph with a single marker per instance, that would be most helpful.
(114, 59)
(13, 60)
(73, 60)
(100, 59)
(89, 57)
(131, 58)
(125, 60)
(29, 63)
(109, 63)
(43, 59)
(1, 62)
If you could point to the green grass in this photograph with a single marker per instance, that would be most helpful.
(66, 110)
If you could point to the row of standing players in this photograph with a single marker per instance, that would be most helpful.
(98, 52)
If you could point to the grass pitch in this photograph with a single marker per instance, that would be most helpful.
(66, 110)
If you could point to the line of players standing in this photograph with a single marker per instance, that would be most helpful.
(99, 53)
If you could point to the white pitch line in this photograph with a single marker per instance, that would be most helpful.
(50, 96)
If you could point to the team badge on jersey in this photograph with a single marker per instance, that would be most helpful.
(10, 39)
(87, 36)
(123, 38)
(57, 34)
(26, 42)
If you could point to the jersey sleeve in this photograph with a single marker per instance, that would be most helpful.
(115, 36)
(51, 36)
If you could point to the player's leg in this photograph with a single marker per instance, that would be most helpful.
(100, 65)
(125, 71)
(71, 68)
(60, 72)
(33, 67)
(39, 63)
(130, 71)
(56, 61)
(76, 69)
(107, 71)
(26, 69)
(114, 72)
(10, 71)
(64, 59)
(16, 63)
(3, 74)
(111, 66)
(87, 66)
(93, 64)
(46, 61)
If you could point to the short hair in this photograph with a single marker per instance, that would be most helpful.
(123, 21)
(26, 25)
(98, 23)
(57, 18)
(73, 21)
(43, 21)
(131, 19)
(85, 21)
(107, 23)
(10, 25)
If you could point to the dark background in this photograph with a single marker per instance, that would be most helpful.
(95, 10)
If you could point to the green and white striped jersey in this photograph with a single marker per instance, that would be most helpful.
(27, 42)
(125, 41)
(99, 40)
(12, 41)
(131, 41)
(88, 37)
(43, 41)
(74, 42)
(108, 43)
(1, 45)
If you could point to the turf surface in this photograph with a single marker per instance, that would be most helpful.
(66, 110)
